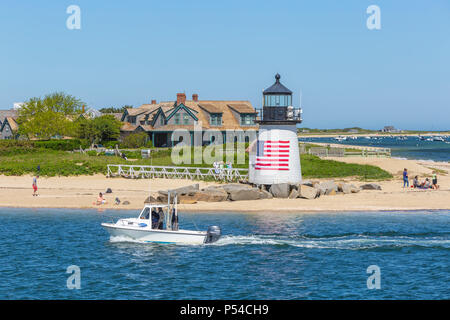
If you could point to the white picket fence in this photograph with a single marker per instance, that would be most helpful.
(137, 171)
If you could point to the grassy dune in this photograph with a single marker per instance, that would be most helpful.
(62, 163)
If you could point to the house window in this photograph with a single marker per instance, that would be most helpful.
(185, 118)
(177, 118)
(161, 120)
(132, 120)
(216, 119)
(247, 119)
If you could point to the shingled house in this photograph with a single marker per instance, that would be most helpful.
(8, 124)
(159, 120)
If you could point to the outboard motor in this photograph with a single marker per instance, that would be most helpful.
(213, 234)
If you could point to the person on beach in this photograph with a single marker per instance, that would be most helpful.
(416, 183)
(405, 178)
(434, 181)
(35, 188)
(426, 184)
(100, 200)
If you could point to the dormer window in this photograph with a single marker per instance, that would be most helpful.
(216, 119)
(177, 118)
(248, 119)
(186, 118)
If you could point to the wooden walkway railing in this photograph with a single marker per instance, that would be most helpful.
(341, 152)
(137, 171)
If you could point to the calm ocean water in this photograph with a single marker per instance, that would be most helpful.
(411, 148)
(261, 256)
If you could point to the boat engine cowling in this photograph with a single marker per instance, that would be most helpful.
(213, 234)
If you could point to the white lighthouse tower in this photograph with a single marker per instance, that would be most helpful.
(275, 157)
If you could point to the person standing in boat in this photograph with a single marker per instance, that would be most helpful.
(161, 219)
(155, 219)
(174, 220)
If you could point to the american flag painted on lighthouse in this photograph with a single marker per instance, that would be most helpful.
(272, 155)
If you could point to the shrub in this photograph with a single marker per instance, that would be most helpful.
(135, 140)
(111, 144)
(63, 145)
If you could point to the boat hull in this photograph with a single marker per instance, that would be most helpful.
(158, 236)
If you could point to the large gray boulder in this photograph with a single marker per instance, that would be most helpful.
(235, 187)
(186, 189)
(345, 188)
(263, 194)
(293, 194)
(327, 187)
(244, 194)
(370, 186)
(308, 192)
(308, 183)
(150, 199)
(163, 197)
(280, 190)
(207, 195)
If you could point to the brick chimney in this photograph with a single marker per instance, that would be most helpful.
(195, 97)
(181, 98)
(153, 102)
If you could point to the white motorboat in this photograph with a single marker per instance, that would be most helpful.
(340, 138)
(438, 138)
(159, 223)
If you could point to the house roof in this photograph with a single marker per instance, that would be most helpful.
(128, 127)
(277, 87)
(201, 109)
(12, 123)
(8, 113)
(242, 108)
(210, 108)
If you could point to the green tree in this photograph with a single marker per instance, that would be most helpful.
(115, 110)
(100, 129)
(50, 116)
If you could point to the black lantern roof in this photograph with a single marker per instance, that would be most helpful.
(277, 87)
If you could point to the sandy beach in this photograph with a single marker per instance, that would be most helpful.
(81, 192)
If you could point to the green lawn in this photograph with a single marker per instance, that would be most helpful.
(62, 163)
(314, 167)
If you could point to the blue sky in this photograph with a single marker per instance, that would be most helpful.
(129, 52)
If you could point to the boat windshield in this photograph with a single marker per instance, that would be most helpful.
(145, 214)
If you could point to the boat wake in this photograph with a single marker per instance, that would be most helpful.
(360, 242)
(118, 239)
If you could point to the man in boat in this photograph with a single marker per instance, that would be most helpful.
(155, 219)
(161, 219)
(174, 220)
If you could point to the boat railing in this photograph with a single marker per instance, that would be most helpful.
(172, 172)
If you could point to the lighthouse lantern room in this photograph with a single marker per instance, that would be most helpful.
(275, 155)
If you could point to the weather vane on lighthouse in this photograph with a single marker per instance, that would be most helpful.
(275, 157)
